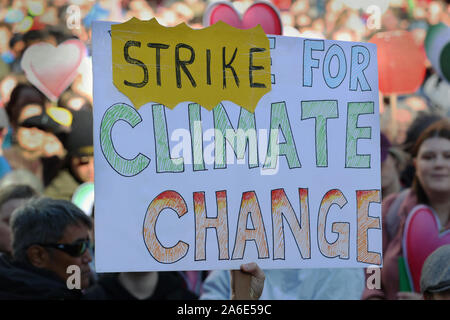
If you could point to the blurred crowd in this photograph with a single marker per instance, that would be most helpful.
(48, 145)
(24, 22)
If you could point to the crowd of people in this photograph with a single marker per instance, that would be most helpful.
(46, 156)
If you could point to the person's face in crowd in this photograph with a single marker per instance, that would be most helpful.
(5, 35)
(389, 21)
(58, 261)
(433, 165)
(83, 168)
(141, 9)
(404, 119)
(7, 85)
(434, 12)
(18, 47)
(50, 16)
(5, 214)
(388, 172)
(36, 7)
(183, 11)
(344, 35)
(419, 35)
(82, 86)
(35, 142)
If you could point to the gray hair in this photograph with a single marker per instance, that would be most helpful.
(16, 191)
(22, 176)
(43, 221)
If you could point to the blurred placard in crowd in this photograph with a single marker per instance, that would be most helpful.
(401, 62)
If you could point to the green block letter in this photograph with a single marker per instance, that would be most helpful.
(352, 158)
(320, 111)
(125, 167)
(279, 120)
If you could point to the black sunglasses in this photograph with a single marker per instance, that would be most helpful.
(76, 249)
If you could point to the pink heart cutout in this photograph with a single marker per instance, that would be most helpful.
(52, 69)
(263, 13)
(420, 238)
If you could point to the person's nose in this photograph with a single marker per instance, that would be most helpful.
(441, 161)
(87, 257)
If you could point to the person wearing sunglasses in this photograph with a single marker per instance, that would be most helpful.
(37, 129)
(76, 249)
(48, 237)
(51, 237)
(79, 162)
(50, 241)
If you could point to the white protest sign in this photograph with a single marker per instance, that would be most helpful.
(296, 184)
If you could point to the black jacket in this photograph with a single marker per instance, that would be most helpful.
(25, 282)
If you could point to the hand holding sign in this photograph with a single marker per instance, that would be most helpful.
(247, 283)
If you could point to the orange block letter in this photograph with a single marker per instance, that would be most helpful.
(167, 199)
(281, 207)
(365, 222)
(340, 248)
(202, 222)
(250, 206)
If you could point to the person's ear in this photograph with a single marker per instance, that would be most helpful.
(38, 256)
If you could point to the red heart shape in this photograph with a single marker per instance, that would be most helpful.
(262, 13)
(420, 238)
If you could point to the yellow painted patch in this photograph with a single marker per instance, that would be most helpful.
(169, 65)
(60, 115)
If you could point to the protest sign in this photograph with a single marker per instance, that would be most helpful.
(293, 182)
(396, 77)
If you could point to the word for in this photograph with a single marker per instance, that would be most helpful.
(243, 139)
(359, 61)
(283, 216)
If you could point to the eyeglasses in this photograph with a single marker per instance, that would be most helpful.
(76, 249)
